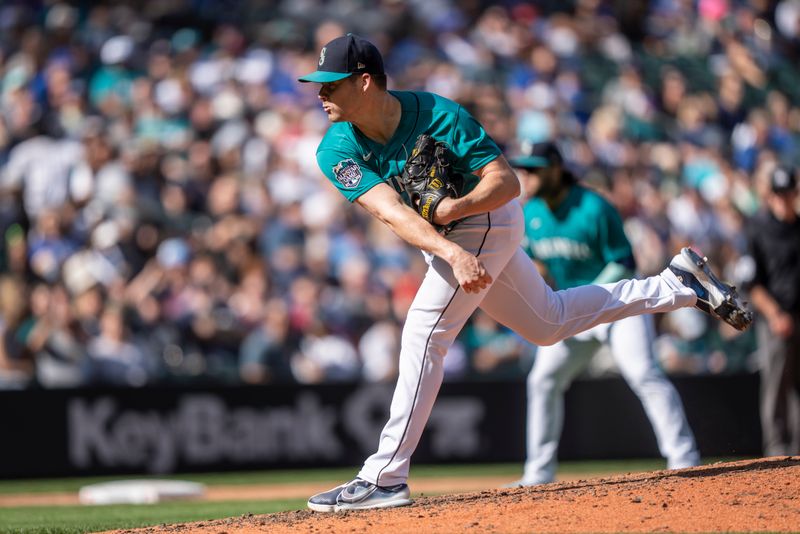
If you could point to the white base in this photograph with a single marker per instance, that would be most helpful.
(140, 491)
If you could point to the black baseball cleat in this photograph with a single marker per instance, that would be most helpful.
(714, 297)
(359, 494)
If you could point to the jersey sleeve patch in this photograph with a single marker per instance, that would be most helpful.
(348, 173)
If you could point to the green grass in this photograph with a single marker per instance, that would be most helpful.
(80, 519)
(250, 477)
(337, 475)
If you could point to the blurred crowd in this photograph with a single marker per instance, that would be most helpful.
(164, 220)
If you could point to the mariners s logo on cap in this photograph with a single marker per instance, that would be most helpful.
(783, 180)
(537, 155)
(344, 56)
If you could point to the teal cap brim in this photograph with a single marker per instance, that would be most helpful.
(530, 162)
(321, 76)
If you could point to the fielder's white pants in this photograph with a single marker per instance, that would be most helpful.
(519, 298)
(630, 341)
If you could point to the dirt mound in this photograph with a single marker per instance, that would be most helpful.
(751, 495)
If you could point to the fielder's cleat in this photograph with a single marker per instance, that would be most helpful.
(716, 298)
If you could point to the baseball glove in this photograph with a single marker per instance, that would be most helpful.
(427, 176)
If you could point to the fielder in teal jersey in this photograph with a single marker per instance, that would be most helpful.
(477, 262)
(577, 237)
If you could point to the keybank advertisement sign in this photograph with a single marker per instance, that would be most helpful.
(48, 433)
(201, 430)
(208, 430)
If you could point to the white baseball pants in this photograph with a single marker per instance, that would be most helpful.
(557, 365)
(519, 298)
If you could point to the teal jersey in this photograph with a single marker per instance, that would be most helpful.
(355, 164)
(576, 240)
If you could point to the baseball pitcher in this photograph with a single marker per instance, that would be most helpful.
(427, 169)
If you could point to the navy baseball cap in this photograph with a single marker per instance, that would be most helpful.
(537, 155)
(782, 180)
(344, 56)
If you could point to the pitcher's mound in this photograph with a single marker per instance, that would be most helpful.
(746, 496)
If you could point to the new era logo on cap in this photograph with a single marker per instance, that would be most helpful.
(344, 56)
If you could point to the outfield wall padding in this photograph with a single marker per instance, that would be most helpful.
(48, 433)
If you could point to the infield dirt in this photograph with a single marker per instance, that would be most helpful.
(747, 496)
